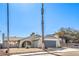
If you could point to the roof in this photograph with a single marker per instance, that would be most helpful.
(13, 38)
(26, 38)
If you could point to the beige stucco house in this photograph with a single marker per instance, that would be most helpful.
(33, 41)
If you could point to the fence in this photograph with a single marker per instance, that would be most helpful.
(73, 45)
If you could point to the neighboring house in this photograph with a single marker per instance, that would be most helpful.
(33, 41)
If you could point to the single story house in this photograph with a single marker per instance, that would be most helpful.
(32, 42)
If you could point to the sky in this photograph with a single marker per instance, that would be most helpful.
(26, 18)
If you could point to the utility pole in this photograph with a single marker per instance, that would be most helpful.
(7, 28)
(42, 13)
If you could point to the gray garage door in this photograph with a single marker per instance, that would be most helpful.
(50, 44)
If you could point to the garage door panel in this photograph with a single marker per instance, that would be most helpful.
(50, 44)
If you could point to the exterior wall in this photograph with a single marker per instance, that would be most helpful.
(35, 41)
(36, 44)
(58, 44)
(12, 44)
(5, 44)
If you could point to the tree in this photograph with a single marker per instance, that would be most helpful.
(68, 34)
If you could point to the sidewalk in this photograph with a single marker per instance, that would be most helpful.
(43, 53)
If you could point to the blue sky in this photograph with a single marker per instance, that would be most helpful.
(26, 18)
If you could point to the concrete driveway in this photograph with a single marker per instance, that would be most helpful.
(65, 51)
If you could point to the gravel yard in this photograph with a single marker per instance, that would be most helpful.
(19, 50)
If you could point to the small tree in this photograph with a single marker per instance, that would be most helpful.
(68, 34)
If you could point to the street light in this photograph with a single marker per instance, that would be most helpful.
(42, 13)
